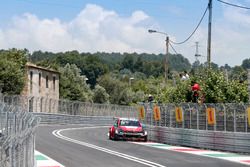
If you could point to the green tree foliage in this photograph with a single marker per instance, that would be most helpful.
(72, 85)
(101, 63)
(128, 62)
(119, 91)
(100, 95)
(12, 70)
(214, 89)
(93, 68)
(179, 63)
(246, 64)
(238, 73)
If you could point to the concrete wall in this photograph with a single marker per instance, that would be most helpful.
(41, 83)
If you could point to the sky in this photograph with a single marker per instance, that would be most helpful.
(122, 26)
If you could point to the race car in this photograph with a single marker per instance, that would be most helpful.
(127, 128)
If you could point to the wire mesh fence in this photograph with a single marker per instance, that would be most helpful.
(233, 117)
(183, 123)
(16, 136)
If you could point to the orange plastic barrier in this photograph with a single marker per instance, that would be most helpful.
(248, 115)
(141, 113)
(178, 114)
(157, 113)
(210, 116)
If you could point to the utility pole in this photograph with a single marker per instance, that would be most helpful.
(209, 34)
(166, 59)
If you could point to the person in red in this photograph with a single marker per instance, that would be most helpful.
(195, 92)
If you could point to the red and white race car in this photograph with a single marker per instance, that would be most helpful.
(127, 128)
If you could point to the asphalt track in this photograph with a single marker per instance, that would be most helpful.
(83, 146)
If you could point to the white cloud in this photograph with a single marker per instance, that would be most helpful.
(230, 37)
(96, 29)
(93, 29)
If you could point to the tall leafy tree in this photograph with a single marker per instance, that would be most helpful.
(100, 95)
(246, 64)
(72, 85)
(12, 70)
(128, 62)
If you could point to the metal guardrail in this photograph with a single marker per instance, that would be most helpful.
(215, 140)
(57, 119)
(16, 137)
(230, 132)
(230, 117)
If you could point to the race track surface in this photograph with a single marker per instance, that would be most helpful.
(82, 146)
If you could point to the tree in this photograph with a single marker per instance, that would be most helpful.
(12, 70)
(238, 73)
(128, 63)
(72, 85)
(93, 68)
(246, 64)
(100, 95)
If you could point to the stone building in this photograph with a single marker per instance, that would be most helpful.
(42, 86)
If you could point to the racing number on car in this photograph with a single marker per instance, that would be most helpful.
(178, 114)
(210, 116)
(141, 113)
(157, 113)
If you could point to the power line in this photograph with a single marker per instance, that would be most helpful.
(178, 43)
(234, 5)
(173, 48)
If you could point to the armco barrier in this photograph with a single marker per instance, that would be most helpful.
(216, 140)
(229, 132)
(48, 118)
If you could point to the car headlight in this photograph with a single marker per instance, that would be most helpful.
(145, 133)
(118, 131)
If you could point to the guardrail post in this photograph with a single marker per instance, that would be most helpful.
(206, 115)
(197, 117)
(246, 116)
(225, 118)
(170, 118)
(234, 120)
(215, 116)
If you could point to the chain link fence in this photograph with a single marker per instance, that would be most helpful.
(16, 136)
(227, 126)
(231, 117)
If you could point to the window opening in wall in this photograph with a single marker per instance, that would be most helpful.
(54, 83)
(39, 81)
(31, 78)
(47, 81)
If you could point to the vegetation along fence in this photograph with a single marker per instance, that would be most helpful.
(212, 126)
(232, 117)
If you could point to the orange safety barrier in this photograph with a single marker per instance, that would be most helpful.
(157, 113)
(141, 113)
(178, 114)
(248, 115)
(210, 116)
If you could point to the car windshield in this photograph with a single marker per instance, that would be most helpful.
(129, 123)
